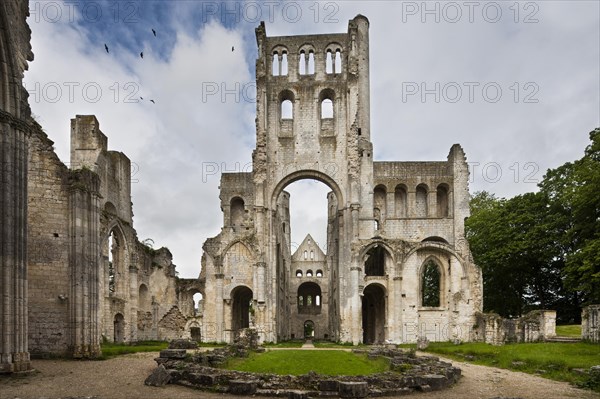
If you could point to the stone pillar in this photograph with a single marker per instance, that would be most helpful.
(15, 51)
(14, 354)
(219, 322)
(84, 264)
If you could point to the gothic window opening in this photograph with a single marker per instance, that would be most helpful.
(319, 273)
(113, 245)
(284, 64)
(302, 63)
(375, 263)
(430, 284)
(309, 273)
(298, 273)
(275, 70)
(328, 62)
(311, 63)
(338, 61)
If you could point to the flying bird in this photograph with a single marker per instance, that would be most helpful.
(152, 101)
(106, 47)
(142, 54)
(154, 32)
(232, 48)
(141, 98)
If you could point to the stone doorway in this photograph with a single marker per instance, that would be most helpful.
(196, 334)
(373, 314)
(119, 328)
(309, 329)
(241, 308)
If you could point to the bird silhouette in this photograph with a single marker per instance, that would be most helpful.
(232, 48)
(154, 32)
(141, 98)
(106, 47)
(152, 101)
(142, 54)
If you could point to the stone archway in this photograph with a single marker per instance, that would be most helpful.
(373, 314)
(119, 328)
(240, 308)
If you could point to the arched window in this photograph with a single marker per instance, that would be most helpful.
(284, 64)
(327, 109)
(338, 61)
(312, 254)
(375, 263)
(305, 255)
(400, 202)
(311, 293)
(319, 273)
(442, 201)
(430, 284)
(421, 201)
(236, 210)
(328, 62)
(311, 62)
(287, 109)
(302, 63)
(298, 273)
(309, 273)
(275, 70)
(113, 246)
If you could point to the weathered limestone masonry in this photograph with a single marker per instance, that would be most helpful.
(15, 51)
(397, 266)
(590, 323)
(89, 276)
(537, 325)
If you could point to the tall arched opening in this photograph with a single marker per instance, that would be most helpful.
(241, 308)
(373, 314)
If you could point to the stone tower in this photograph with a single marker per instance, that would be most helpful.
(396, 267)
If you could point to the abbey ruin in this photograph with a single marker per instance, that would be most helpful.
(396, 265)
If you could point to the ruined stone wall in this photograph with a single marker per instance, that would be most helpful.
(537, 325)
(48, 249)
(590, 323)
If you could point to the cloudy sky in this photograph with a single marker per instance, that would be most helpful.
(515, 83)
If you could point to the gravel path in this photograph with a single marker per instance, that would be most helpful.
(123, 378)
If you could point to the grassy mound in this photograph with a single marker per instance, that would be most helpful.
(297, 362)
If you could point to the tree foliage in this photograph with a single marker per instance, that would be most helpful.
(542, 250)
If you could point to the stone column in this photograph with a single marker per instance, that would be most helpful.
(14, 354)
(84, 264)
(15, 51)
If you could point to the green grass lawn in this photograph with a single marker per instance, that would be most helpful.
(552, 359)
(297, 362)
(110, 349)
(284, 344)
(573, 330)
